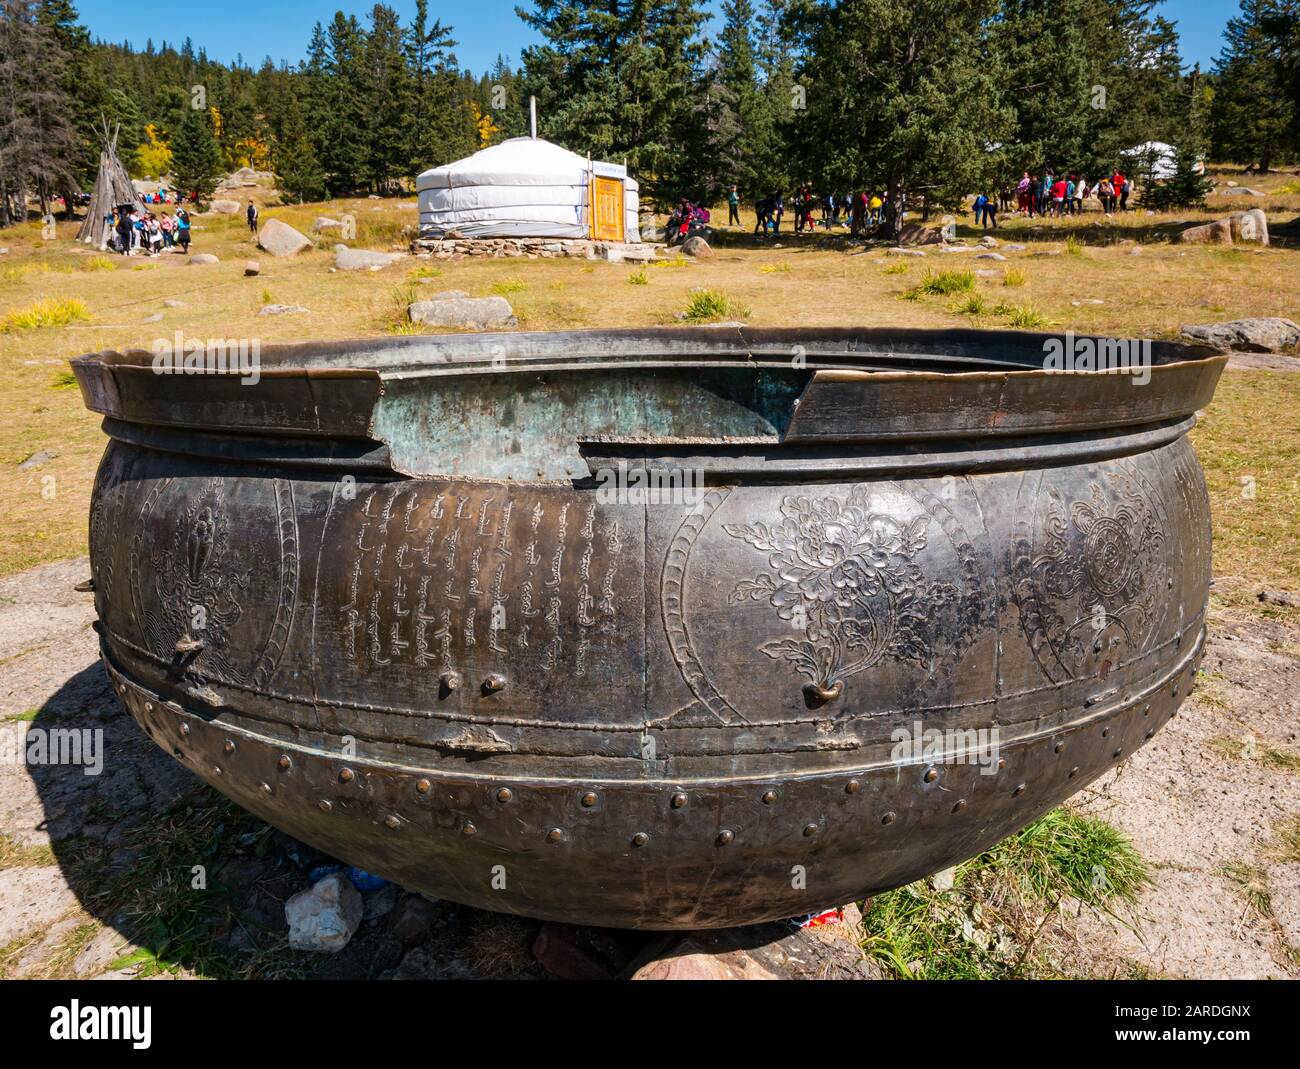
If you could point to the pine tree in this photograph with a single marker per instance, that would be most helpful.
(901, 98)
(1256, 115)
(298, 172)
(620, 79)
(196, 157)
(1188, 186)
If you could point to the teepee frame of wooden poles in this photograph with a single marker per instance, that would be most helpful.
(113, 187)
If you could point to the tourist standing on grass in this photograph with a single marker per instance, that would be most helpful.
(1119, 186)
(1022, 194)
(1080, 195)
(778, 210)
(733, 207)
(876, 207)
(183, 229)
(762, 214)
(252, 217)
(1058, 197)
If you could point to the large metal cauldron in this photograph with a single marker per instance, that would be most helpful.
(389, 599)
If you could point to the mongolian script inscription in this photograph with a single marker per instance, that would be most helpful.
(439, 577)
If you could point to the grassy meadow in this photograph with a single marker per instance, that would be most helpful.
(1116, 277)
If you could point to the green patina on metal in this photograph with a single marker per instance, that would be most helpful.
(528, 425)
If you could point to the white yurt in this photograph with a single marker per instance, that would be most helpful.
(527, 187)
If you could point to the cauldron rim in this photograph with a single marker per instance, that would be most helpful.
(942, 351)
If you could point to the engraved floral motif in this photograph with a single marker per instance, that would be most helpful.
(196, 588)
(847, 579)
(1091, 590)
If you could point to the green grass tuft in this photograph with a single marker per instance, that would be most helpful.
(1002, 915)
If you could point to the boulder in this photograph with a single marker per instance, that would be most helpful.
(34, 461)
(324, 223)
(904, 252)
(251, 267)
(1218, 232)
(204, 258)
(468, 313)
(1015, 247)
(411, 919)
(696, 246)
(280, 239)
(363, 259)
(1250, 227)
(990, 256)
(915, 234)
(1263, 335)
(172, 302)
(281, 309)
(224, 207)
(325, 917)
(988, 241)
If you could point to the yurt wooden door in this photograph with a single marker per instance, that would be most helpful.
(606, 209)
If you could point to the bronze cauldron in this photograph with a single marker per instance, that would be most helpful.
(653, 628)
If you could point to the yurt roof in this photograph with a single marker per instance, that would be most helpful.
(520, 161)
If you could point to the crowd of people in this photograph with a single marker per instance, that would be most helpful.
(132, 230)
(1048, 195)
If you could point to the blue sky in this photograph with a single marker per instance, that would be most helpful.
(255, 28)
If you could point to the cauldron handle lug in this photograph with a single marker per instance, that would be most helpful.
(821, 693)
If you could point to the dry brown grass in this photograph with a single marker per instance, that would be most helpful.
(1252, 428)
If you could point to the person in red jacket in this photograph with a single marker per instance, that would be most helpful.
(1058, 197)
(1120, 185)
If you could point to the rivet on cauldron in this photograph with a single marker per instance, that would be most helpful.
(1020, 789)
(1146, 711)
(392, 821)
(493, 683)
(347, 775)
(931, 774)
(185, 729)
(769, 797)
(216, 770)
(228, 746)
(640, 839)
(266, 789)
(1105, 732)
(185, 644)
(1059, 747)
(1002, 762)
(468, 828)
(176, 753)
(503, 795)
(1175, 690)
(121, 688)
(555, 835)
(810, 830)
(889, 818)
(1074, 771)
(148, 707)
(422, 786)
(285, 763)
(1118, 750)
(1150, 732)
(450, 680)
(852, 787)
(325, 805)
(589, 799)
(725, 836)
(678, 800)
(959, 805)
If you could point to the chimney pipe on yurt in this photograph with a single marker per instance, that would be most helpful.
(532, 118)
